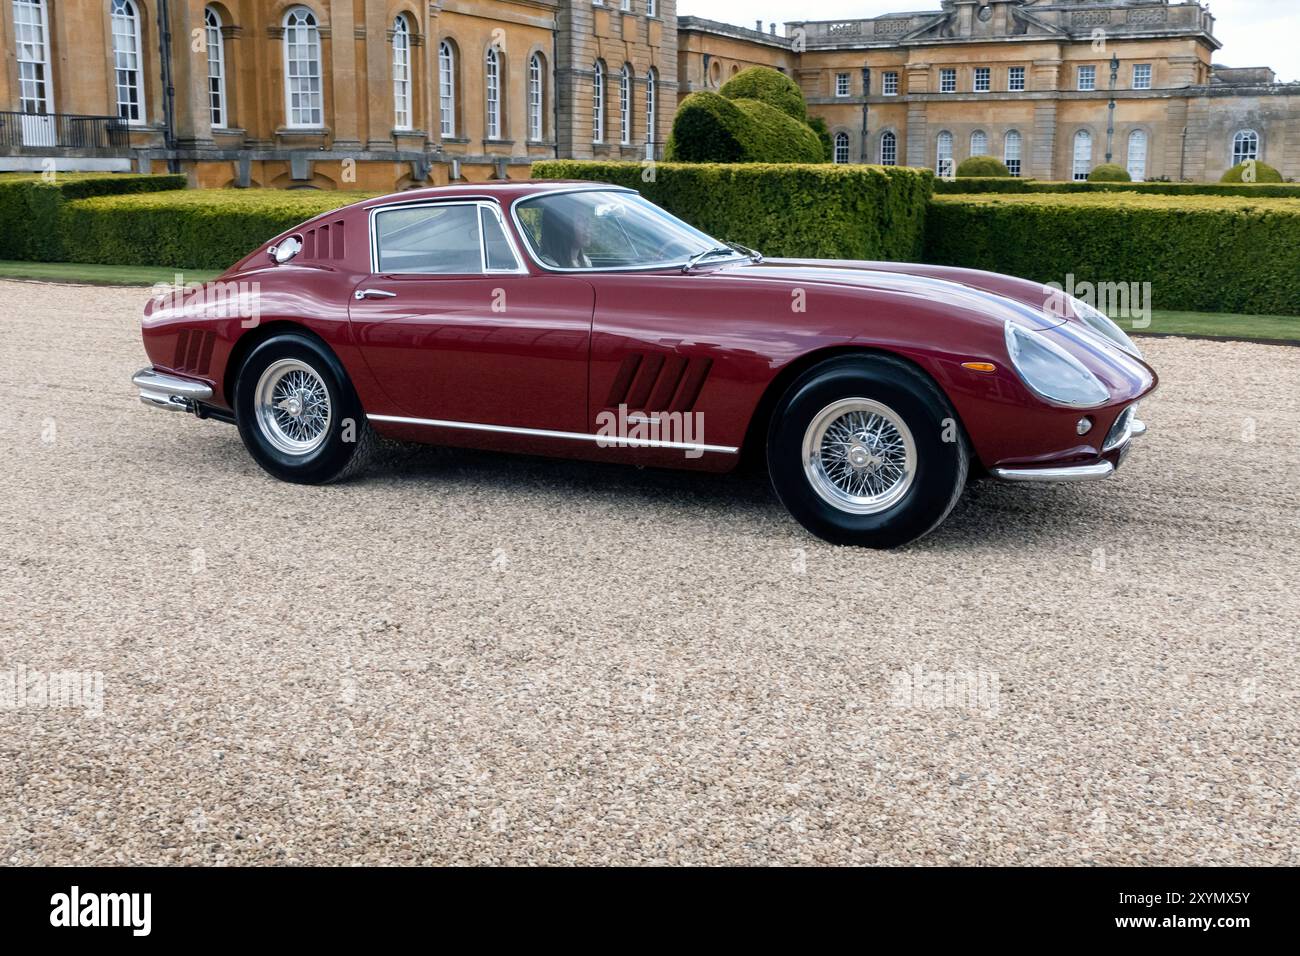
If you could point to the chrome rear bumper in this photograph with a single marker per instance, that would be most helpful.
(171, 392)
(1102, 469)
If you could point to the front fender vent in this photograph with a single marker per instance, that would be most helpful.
(656, 382)
(194, 351)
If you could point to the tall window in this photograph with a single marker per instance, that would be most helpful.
(1245, 145)
(126, 60)
(1141, 76)
(625, 5)
(983, 76)
(1137, 155)
(32, 29)
(888, 149)
(447, 88)
(401, 72)
(651, 78)
(841, 147)
(1082, 155)
(947, 81)
(1087, 77)
(1011, 152)
(302, 76)
(841, 84)
(979, 143)
(625, 105)
(889, 86)
(943, 156)
(492, 80)
(535, 97)
(651, 8)
(216, 68)
(1016, 79)
(598, 103)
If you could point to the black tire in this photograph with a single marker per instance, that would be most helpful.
(347, 442)
(941, 458)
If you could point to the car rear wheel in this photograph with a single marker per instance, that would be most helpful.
(298, 414)
(866, 450)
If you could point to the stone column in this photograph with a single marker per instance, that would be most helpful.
(341, 69)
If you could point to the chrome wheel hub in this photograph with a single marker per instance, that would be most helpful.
(293, 407)
(859, 456)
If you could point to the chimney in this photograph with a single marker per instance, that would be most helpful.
(758, 25)
(771, 28)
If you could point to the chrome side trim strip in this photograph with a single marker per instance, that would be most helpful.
(169, 391)
(609, 441)
(1102, 469)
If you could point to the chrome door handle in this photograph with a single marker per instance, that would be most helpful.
(373, 294)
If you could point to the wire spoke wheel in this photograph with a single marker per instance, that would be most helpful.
(293, 407)
(859, 456)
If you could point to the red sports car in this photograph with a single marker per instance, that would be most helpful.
(581, 320)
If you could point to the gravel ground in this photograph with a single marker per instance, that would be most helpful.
(478, 658)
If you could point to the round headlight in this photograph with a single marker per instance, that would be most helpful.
(1099, 321)
(1050, 372)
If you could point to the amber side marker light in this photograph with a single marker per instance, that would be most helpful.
(980, 366)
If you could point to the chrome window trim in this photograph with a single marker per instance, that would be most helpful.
(598, 188)
(612, 441)
(480, 203)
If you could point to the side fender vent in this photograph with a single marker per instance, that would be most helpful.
(194, 351)
(658, 382)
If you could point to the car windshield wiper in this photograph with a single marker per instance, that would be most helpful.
(723, 250)
(753, 254)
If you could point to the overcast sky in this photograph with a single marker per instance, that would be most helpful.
(1253, 32)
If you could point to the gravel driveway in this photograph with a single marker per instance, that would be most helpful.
(467, 657)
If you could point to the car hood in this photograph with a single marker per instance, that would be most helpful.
(1002, 297)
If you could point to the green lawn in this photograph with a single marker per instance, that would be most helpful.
(90, 274)
(1282, 328)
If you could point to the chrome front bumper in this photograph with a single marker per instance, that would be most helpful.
(1093, 472)
(160, 390)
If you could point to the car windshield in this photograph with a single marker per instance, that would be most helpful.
(604, 229)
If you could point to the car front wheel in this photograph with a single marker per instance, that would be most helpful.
(866, 450)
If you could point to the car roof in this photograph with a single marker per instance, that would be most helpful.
(505, 191)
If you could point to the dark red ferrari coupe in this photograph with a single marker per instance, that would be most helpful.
(580, 320)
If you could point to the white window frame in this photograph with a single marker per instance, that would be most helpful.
(598, 102)
(536, 98)
(944, 166)
(402, 112)
(302, 30)
(1241, 151)
(626, 6)
(983, 79)
(1086, 78)
(1016, 79)
(651, 8)
(35, 84)
(492, 91)
(979, 143)
(1082, 156)
(128, 61)
(651, 106)
(948, 80)
(1012, 146)
(1142, 81)
(841, 152)
(889, 148)
(218, 117)
(625, 105)
(843, 84)
(447, 89)
(889, 83)
(1137, 165)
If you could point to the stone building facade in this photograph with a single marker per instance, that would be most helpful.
(382, 94)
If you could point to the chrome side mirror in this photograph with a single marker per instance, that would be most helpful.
(285, 251)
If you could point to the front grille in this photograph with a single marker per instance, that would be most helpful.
(1120, 431)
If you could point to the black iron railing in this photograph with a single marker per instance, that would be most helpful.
(63, 131)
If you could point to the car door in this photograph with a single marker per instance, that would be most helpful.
(457, 330)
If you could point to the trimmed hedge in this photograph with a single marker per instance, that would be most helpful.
(996, 185)
(1202, 254)
(811, 211)
(767, 86)
(194, 229)
(982, 166)
(711, 128)
(1109, 173)
(1264, 173)
(31, 208)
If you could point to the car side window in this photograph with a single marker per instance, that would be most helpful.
(497, 249)
(429, 240)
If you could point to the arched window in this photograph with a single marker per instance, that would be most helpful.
(1082, 155)
(841, 147)
(651, 78)
(625, 105)
(1137, 155)
(1245, 145)
(401, 72)
(888, 148)
(598, 103)
(1011, 151)
(447, 88)
(302, 76)
(35, 97)
(216, 68)
(492, 80)
(943, 156)
(979, 143)
(536, 97)
(126, 60)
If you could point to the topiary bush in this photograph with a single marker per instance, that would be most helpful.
(983, 166)
(711, 128)
(1264, 173)
(767, 86)
(1109, 173)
